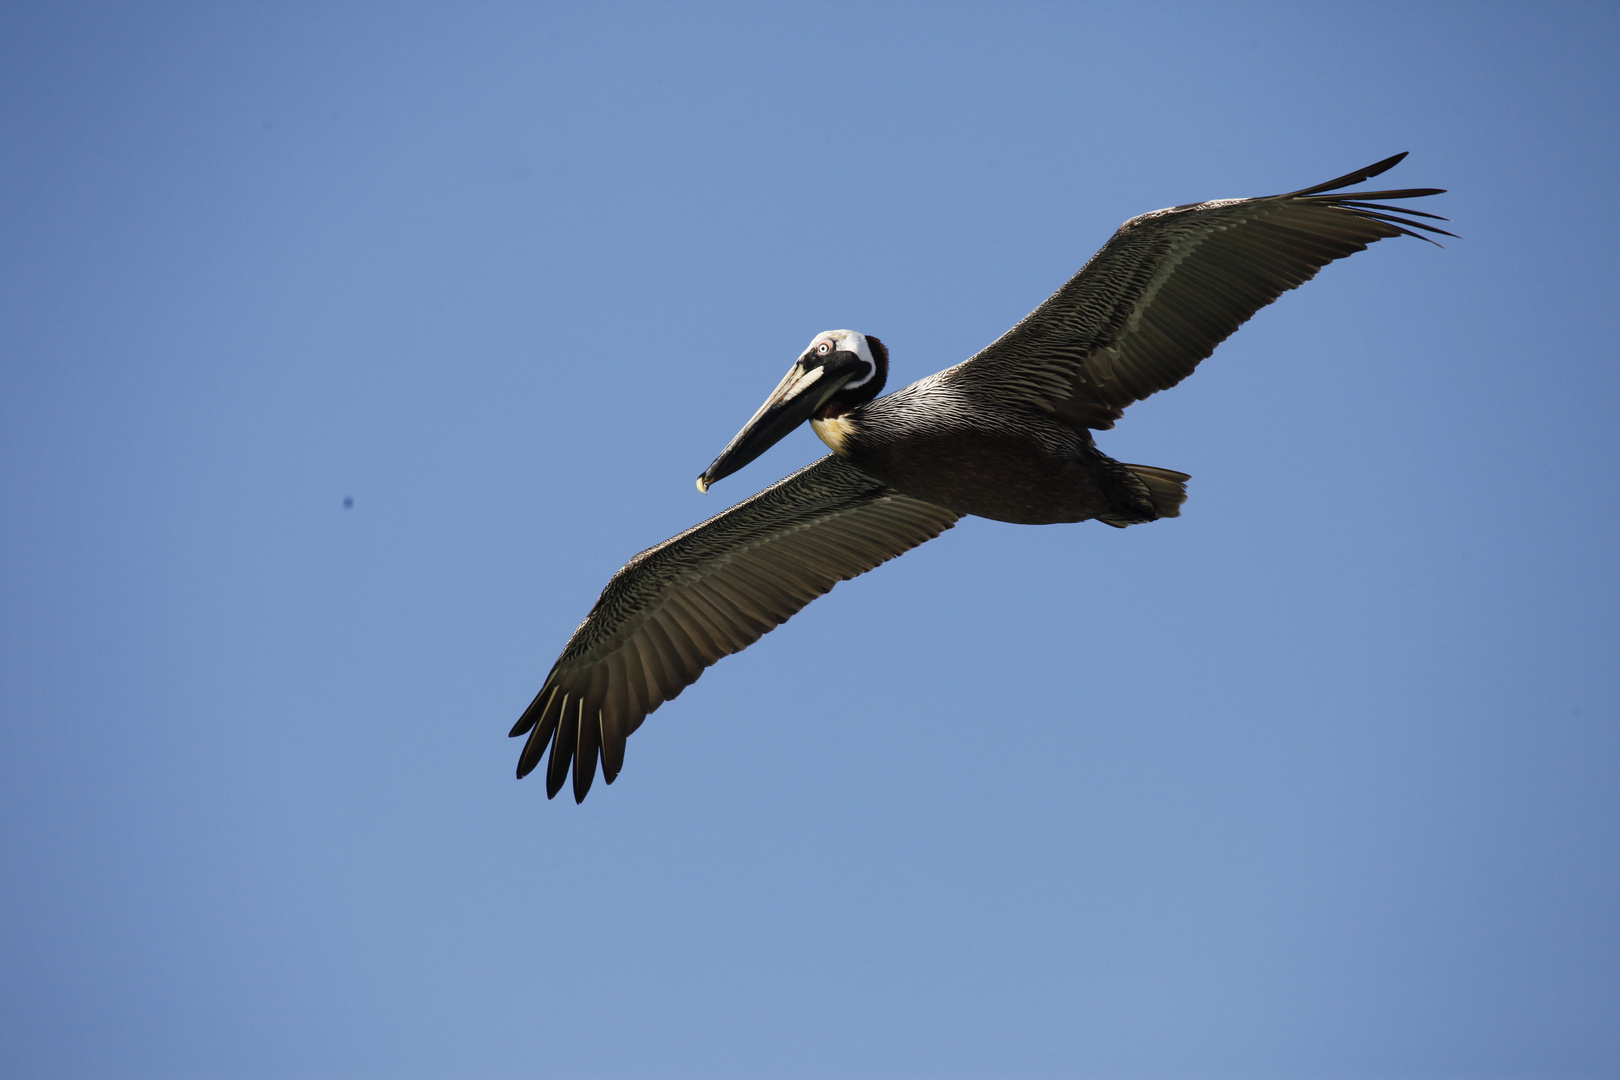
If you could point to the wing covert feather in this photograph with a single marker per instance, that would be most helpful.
(715, 589)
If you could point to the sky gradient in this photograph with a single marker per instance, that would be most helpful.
(1321, 779)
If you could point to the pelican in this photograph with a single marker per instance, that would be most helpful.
(1005, 435)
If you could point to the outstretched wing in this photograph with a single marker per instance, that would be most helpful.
(1170, 286)
(711, 591)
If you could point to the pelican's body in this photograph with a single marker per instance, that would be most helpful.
(1017, 465)
(1004, 435)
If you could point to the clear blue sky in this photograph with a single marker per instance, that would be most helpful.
(1320, 780)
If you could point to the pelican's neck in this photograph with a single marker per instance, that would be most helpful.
(836, 431)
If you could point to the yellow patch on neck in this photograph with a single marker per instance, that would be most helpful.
(835, 432)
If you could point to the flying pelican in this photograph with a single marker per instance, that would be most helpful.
(1005, 434)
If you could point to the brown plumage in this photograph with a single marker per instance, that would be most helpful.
(713, 590)
(1170, 286)
(1005, 434)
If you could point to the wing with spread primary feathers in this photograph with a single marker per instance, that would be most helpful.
(712, 591)
(1170, 286)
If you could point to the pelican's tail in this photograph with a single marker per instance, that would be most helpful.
(1165, 489)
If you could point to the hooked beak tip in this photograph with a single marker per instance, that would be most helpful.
(703, 486)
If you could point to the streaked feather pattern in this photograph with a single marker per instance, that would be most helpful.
(1169, 287)
(711, 591)
(1163, 292)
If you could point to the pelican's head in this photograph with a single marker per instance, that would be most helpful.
(840, 370)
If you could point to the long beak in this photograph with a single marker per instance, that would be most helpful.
(795, 400)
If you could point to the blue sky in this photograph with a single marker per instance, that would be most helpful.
(1318, 780)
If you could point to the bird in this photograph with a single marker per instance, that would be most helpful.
(1006, 435)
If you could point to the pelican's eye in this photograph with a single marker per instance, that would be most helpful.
(824, 348)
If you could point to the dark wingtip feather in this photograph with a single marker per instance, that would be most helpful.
(531, 715)
(534, 749)
(1396, 209)
(536, 709)
(585, 755)
(1393, 220)
(612, 752)
(562, 750)
(1384, 166)
(1394, 193)
(543, 721)
(1354, 177)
